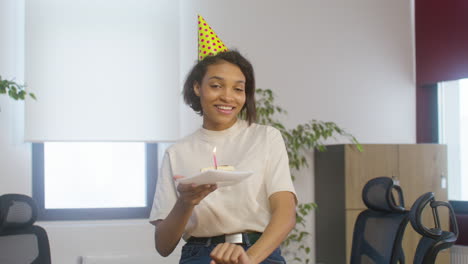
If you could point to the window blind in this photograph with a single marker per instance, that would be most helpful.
(104, 70)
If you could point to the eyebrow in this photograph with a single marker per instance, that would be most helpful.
(222, 79)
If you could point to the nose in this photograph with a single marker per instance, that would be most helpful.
(227, 95)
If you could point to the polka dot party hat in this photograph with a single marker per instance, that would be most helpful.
(208, 41)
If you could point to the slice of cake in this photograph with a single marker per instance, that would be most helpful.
(222, 167)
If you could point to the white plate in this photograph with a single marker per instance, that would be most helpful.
(219, 177)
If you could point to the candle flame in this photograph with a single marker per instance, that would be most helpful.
(214, 150)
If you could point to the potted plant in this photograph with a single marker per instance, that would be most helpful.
(311, 135)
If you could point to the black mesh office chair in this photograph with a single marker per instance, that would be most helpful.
(434, 239)
(378, 231)
(20, 240)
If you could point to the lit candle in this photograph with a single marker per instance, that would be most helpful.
(214, 159)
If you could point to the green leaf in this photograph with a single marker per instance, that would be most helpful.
(14, 90)
(21, 94)
(12, 94)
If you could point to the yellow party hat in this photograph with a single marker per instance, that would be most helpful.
(208, 41)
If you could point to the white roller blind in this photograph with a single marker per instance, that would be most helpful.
(102, 70)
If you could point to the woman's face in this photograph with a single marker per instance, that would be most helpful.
(222, 95)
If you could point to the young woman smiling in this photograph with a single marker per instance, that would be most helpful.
(243, 223)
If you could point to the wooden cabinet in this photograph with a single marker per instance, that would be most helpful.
(340, 175)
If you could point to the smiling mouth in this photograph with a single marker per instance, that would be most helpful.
(225, 109)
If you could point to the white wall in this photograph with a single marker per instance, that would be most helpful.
(15, 160)
(350, 62)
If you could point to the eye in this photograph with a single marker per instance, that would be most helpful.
(238, 89)
(215, 86)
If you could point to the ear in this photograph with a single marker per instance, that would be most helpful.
(196, 89)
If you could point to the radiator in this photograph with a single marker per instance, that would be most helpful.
(130, 259)
(459, 255)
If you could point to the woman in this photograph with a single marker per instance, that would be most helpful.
(258, 212)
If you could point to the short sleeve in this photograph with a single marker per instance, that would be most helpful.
(165, 195)
(278, 174)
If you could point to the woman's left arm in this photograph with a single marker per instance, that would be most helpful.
(283, 220)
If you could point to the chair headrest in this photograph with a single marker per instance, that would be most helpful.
(378, 195)
(17, 211)
(433, 232)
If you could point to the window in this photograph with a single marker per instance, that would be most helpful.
(453, 131)
(94, 180)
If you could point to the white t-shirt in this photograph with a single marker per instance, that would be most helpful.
(230, 209)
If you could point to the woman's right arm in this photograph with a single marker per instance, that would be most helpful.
(169, 231)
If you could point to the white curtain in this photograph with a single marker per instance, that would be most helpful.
(102, 70)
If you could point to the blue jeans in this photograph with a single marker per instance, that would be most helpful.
(194, 253)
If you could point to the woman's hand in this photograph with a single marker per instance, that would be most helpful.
(226, 253)
(192, 194)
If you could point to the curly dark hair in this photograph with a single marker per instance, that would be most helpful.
(198, 71)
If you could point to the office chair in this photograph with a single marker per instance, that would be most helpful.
(20, 240)
(433, 239)
(378, 231)
(461, 214)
